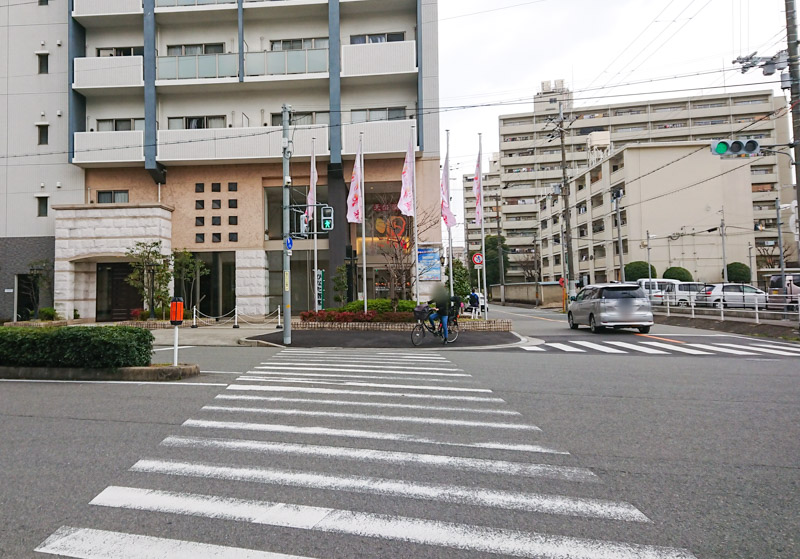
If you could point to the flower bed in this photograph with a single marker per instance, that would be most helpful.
(463, 325)
(344, 316)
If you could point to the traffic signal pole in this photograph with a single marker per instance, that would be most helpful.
(794, 74)
(287, 272)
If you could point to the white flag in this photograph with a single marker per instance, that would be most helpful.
(356, 191)
(312, 189)
(444, 190)
(477, 189)
(406, 202)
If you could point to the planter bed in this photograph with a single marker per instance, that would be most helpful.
(138, 374)
(463, 325)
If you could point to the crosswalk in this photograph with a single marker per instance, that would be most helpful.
(748, 348)
(338, 463)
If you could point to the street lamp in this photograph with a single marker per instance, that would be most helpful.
(36, 275)
(150, 269)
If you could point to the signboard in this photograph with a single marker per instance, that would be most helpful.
(477, 258)
(562, 282)
(479, 266)
(320, 289)
(9, 290)
(289, 243)
(430, 268)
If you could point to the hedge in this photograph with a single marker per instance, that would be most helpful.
(80, 347)
(379, 305)
(357, 316)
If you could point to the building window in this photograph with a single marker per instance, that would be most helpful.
(216, 204)
(233, 186)
(199, 187)
(216, 237)
(372, 115)
(215, 187)
(112, 196)
(216, 220)
(192, 50)
(233, 237)
(121, 51)
(43, 2)
(377, 38)
(120, 124)
(199, 221)
(41, 206)
(199, 204)
(233, 220)
(199, 238)
(44, 134)
(195, 122)
(233, 203)
(313, 117)
(44, 63)
(300, 44)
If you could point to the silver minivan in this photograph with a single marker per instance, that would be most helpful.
(611, 305)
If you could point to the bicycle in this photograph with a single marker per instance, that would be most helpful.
(423, 326)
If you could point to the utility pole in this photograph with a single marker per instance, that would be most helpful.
(287, 270)
(780, 246)
(565, 194)
(500, 244)
(750, 262)
(794, 74)
(724, 255)
(619, 238)
(649, 270)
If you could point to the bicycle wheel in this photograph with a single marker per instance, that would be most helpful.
(417, 334)
(452, 332)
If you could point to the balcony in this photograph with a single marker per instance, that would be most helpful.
(191, 3)
(100, 149)
(101, 13)
(198, 67)
(223, 145)
(96, 74)
(384, 137)
(286, 63)
(379, 59)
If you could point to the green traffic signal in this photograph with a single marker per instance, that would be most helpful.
(721, 147)
(327, 224)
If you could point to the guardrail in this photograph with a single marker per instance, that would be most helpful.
(772, 307)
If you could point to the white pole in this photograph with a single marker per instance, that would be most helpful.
(416, 235)
(235, 317)
(449, 233)
(175, 349)
(194, 316)
(316, 271)
(363, 221)
(483, 232)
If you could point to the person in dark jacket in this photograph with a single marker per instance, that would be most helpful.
(441, 303)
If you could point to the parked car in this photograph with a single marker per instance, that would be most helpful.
(612, 305)
(788, 296)
(656, 288)
(683, 293)
(730, 295)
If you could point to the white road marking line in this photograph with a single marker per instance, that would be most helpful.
(312, 390)
(85, 543)
(223, 372)
(598, 347)
(477, 539)
(340, 353)
(642, 349)
(376, 417)
(128, 382)
(565, 347)
(361, 369)
(778, 345)
(510, 500)
(678, 348)
(344, 361)
(286, 375)
(347, 403)
(387, 457)
(772, 350)
(358, 434)
(171, 348)
(380, 385)
(722, 349)
(532, 348)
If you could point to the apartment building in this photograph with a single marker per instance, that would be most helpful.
(164, 118)
(675, 205)
(530, 159)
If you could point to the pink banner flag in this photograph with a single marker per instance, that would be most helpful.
(354, 214)
(312, 189)
(406, 202)
(444, 189)
(477, 189)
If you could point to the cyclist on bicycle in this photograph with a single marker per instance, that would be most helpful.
(441, 306)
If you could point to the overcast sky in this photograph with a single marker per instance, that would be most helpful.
(497, 53)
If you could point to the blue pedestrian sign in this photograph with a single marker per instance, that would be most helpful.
(289, 243)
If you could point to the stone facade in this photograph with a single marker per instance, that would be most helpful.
(251, 282)
(86, 235)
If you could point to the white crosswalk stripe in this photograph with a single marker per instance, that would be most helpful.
(770, 351)
(678, 348)
(722, 349)
(454, 428)
(661, 348)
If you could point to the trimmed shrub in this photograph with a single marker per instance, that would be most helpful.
(380, 305)
(395, 317)
(678, 273)
(738, 272)
(637, 270)
(48, 313)
(357, 316)
(83, 347)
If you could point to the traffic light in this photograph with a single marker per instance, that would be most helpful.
(327, 218)
(303, 224)
(736, 148)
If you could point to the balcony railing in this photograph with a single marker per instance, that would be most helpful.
(386, 136)
(104, 7)
(198, 66)
(285, 62)
(182, 3)
(111, 71)
(109, 147)
(379, 58)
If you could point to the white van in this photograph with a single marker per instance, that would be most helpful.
(655, 288)
(682, 294)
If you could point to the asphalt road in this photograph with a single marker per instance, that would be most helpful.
(445, 453)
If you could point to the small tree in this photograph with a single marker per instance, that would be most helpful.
(40, 279)
(142, 256)
(187, 269)
(461, 285)
(491, 260)
(530, 264)
(637, 270)
(738, 272)
(678, 273)
(340, 284)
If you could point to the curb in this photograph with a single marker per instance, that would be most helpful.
(135, 374)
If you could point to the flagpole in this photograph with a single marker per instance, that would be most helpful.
(314, 186)
(449, 233)
(483, 231)
(416, 236)
(363, 218)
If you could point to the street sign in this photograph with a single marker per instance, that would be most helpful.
(289, 243)
(479, 266)
(562, 282)
(477, 258)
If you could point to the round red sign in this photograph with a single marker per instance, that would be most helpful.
(477, 258)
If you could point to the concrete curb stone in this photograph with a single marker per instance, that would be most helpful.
(133, 374)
